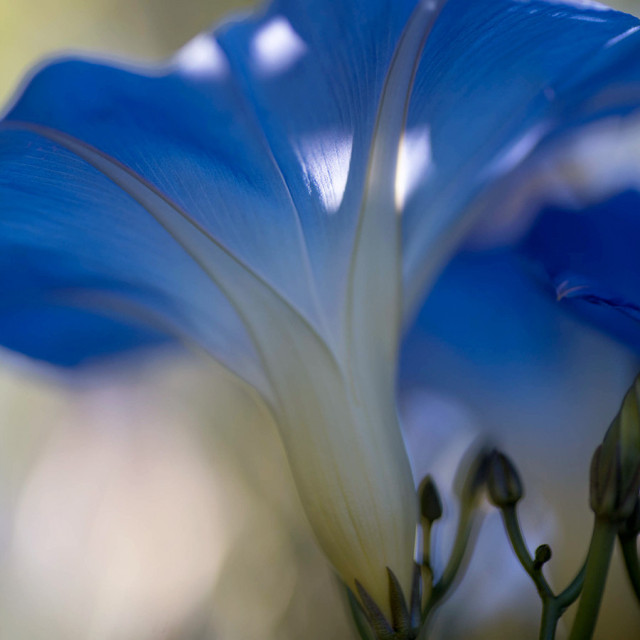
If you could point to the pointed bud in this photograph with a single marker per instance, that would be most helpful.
(615, 467)
(430, 503)
(542, 556)
(503, 481)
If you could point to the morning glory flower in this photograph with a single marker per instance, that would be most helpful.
(283, 192)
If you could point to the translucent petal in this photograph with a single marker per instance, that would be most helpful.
(74, 245)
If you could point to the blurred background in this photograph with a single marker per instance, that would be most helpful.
(157, 504)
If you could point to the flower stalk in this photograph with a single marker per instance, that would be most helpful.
(597, 568)
(628, 536)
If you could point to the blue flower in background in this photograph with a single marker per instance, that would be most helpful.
(245, 195)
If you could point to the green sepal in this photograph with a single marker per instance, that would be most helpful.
(377, 619)
(400, 618)
(359, 617)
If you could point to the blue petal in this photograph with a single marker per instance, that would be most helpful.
(542, 385)
(74, 245)
(254, 131)
(258, 137)
(502, 84)
(313, 72)
(493, 339)
(259, 133)
(42, 331)
(588, 258)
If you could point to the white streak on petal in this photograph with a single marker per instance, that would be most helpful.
(415, 162)
(622, 36)
(203, 57)
(325, 160)
(599, 161)
(588, 19)
(276, 47)
(584, 4)
(579, 4)
(517, 152)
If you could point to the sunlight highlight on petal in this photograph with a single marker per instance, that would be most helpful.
(203, 57)
(276, 47)
(415, 163)
(325, 159)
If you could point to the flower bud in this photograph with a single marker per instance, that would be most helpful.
(430, 503)
(615, 467)
(503, 481)
(542, 556)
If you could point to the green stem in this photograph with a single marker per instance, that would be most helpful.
(554, 608)
(631, 561)
(511, 524)
(600, 550)
(551, 613)
(469, 498)
(426, 542)
(426, 570)
(463, 534)
(551, 610)
(567, 597)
